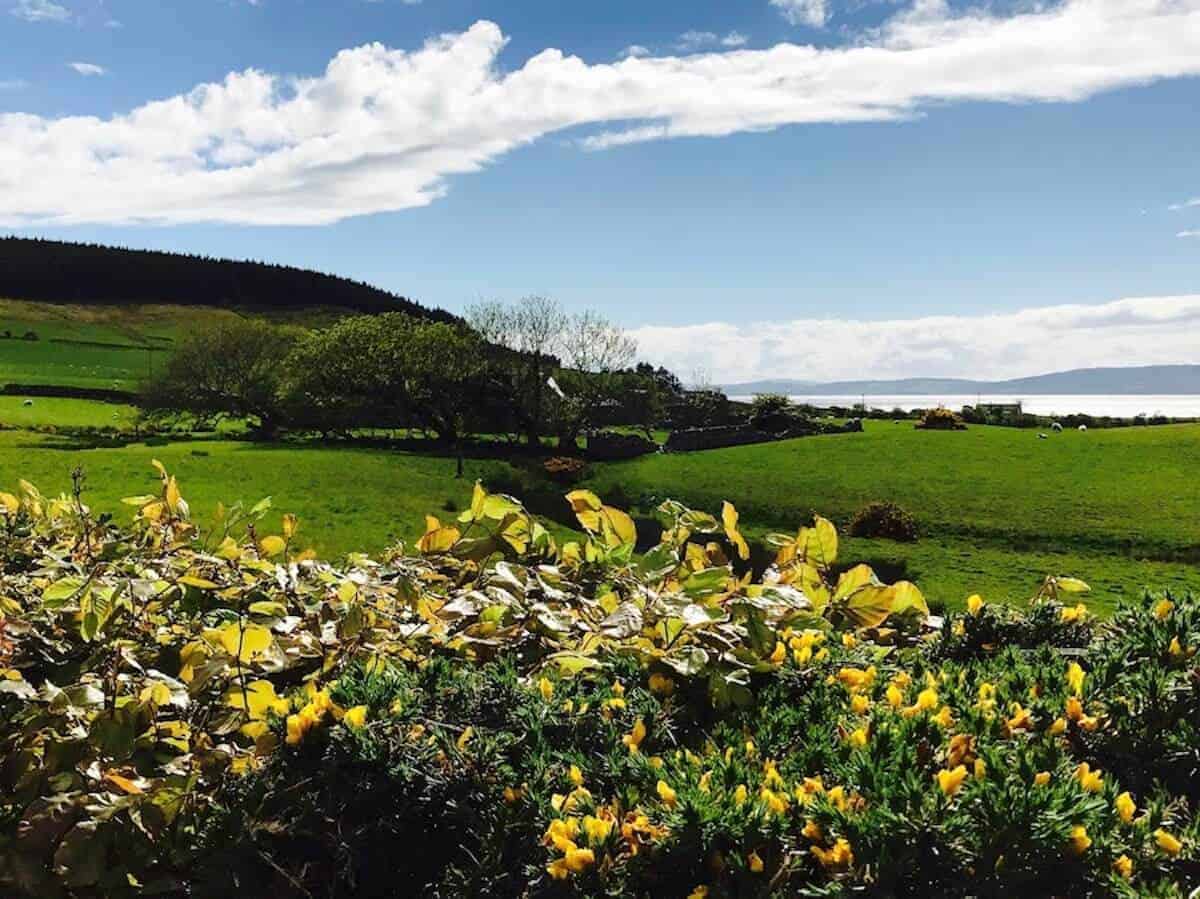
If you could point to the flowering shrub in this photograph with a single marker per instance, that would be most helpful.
(940, 419)
(215, 712)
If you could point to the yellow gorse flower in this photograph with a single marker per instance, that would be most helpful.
(1126, 807)
(754, 863)
(1073, 614)
(355, 718)
(666, 794)
(1123, 866)
(1041, 778)
(1079, 840)
(949, 780)
(1075, 678)
(974, 604)
(633, 740)
(1090, 780)
(1162, 609)
(1167, 843)
(546, 688)
(840, 856)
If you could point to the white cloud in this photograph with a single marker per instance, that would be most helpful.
(691, 41)
(1138, 331)
(1188, 234)
(634, 51)
(383, 129)
(1186, 204)
(41, 11)
(803, 12)
(87, 69)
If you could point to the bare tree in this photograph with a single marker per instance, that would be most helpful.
(591, 343)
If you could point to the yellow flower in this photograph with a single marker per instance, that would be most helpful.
(661, 685)
(837, 796)
(813, 831)
(1074, 709)
(666, 794)
(1073, 615)
(512, 795)
(597, 829)
(1123, 867)
(751, 749)
(634, 738)
(859, 704)
(848, 640)
(575, 775)
(1167, 843)
(949, 780)
(1163, 608)
(1178, 651)
(1020, 719)
(779, 653)
(1126, 807)
(895, 696)
(962, 748)
(974, 604)
(562, 833)
(1075, 678)
(558, 869)
(980, 769)
(701, 892)
(739, 795)
(840, 856)
(1041, 778)
(705, 780)
(1079, 841)
(1090, 780)
(755, 863)
(858, 737)
(776, 803)
(579, 860)
(944, 718)
(1057, 727)
(355, 718)
(618, 688)
(546, 688)
(854, 679)
(927, 699)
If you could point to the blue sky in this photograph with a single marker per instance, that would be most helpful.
(984, 177)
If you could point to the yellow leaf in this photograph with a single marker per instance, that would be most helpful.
(257, 701)
(619, 529)
(820, 543)
(198, 582)
(11, 504)
(290, 525)
(438, 539)
(245, 643)
(172, 496)
(907, 598)
(272, 546)
(584, 501)
(729, 517)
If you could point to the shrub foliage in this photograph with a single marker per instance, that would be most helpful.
(189, 711)
(884, 519)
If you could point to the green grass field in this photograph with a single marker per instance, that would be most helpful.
(64, 413)
(998, 508)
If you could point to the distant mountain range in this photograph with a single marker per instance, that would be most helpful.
(1145, 379)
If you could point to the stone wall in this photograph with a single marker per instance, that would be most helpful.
(608, 445)
(691, 439)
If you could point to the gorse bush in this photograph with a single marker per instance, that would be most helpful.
(884, 519)
(212, 712)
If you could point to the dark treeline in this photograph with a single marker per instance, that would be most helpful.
(57, 272)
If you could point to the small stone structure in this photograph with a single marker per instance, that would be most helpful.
(692, 439)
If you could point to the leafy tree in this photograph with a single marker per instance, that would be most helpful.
(351, 374)
(232, 368)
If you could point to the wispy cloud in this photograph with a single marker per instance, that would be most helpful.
(690, 41)
(813, 13)
(1188, 234)
(635, 51)
(41, 11)
(87, 69)
(1186, 204)
(383, 129)
(1136, 331)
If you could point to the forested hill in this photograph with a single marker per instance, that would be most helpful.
(57, 272)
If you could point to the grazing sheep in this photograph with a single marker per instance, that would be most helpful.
(1056, 428)
(1083, 427)
(1041, 436)
(27, 403)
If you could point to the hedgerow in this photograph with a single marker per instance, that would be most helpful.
(211, 711)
